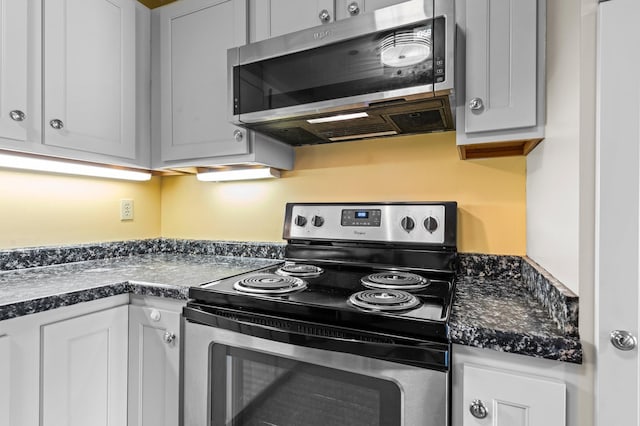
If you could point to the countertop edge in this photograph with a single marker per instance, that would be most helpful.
(563, 349)
(46, 303)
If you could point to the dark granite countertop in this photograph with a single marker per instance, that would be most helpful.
(515, 306)
(27, 291)
(501, 314)
(504, 303)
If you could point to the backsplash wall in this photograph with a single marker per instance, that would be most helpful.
(490, 193)
(39, 209)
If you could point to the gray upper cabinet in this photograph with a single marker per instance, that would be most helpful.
(194, 38)
(189, 101)
(349, 8)
(89, 78)
(75, 80)
(499, 76)
(272, 18)
(18, 78)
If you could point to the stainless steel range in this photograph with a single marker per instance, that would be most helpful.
(351, 329)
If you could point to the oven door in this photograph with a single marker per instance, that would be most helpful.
(231, 377)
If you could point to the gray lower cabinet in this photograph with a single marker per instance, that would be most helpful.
(112, 362)
(499, 76)
(84, 370)
(154, 362)
(501, 389)
(66, 366)
(190, 106)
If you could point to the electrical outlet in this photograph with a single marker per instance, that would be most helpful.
(126, 209)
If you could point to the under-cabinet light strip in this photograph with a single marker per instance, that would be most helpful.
(239, 174)
(71, 168)
(340, 117)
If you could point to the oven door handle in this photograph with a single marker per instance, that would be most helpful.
(419, 353)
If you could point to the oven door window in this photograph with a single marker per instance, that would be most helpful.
(251, 388)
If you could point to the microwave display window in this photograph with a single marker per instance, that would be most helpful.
(391, 60)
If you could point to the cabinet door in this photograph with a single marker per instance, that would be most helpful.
(15, 73)
(512, 399)
(271, 18)
(194, 38)
(89, 77)
(5, 380)
(154, 360)
(348, 8)
(500, 76)
(84, 370)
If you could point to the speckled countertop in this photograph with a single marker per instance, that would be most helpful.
(504, 303)
(510, 304)
(27, 291)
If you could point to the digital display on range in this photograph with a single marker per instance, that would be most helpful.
(361, 217)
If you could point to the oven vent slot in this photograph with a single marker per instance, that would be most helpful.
(308, 329)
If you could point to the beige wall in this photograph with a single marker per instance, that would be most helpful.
(490, 193)
(44, 209)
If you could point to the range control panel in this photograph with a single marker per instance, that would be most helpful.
(424, 223)
(361, 217)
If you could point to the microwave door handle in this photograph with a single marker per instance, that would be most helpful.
(419, 355)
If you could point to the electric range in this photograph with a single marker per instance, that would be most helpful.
(364, 287)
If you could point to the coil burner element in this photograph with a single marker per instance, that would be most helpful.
(300, 270)
(269, 284)
(395, 280)
(384, 300)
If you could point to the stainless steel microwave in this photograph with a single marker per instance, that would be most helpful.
(385, 73)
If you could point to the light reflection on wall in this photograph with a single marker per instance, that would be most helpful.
(47, 209)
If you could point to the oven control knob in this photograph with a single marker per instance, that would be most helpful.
(407, 223)
(317, 221)
(300, 220)
(431, 224)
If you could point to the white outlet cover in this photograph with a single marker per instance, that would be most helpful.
(126, 209)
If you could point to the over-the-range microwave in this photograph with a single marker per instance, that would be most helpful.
(385, 73)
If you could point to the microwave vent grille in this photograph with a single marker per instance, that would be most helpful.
(421, 121)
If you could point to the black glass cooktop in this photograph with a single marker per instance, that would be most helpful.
(325, 299)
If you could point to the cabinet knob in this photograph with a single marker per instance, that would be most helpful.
(56, 124)
(478, 410)
(353, 8)
(324, 16)
(155, 315)
(476, 104)
(623, 340)
(237, 135)
(169, 337)
(17, 115)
